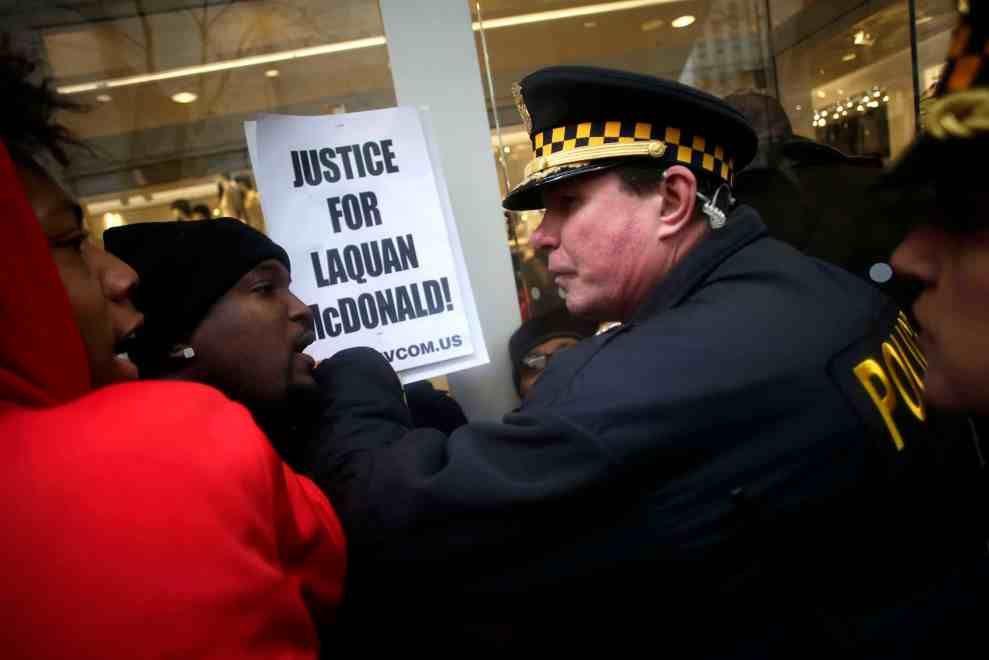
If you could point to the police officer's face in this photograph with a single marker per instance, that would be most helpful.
(602, 241)
(250, 344)
(952, 310)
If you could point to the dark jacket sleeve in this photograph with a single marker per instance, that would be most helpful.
(405, 494)
(432, 408)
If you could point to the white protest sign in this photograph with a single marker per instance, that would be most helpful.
(358, 202)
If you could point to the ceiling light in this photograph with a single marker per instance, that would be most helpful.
(223, 65)
(590, 24)
(886, 99)
(184, 97)
(272, 73)
(863, 38)
(343, 46)
(861, 108)
(876, 93)
(649, 26)
(799, 108)
(104, 98)
(848, 57)
(821, 94)
(683, 21)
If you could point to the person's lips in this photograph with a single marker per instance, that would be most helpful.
(124, 347)
(304, 340)
(307, 362)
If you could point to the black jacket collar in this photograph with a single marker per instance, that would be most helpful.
(743, 227)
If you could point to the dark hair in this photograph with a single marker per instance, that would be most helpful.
(202, 208)
(27, 113)
(182, 205)
(244, 181)
(641, 177)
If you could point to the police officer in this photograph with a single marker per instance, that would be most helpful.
(732, 468)
(946, 253)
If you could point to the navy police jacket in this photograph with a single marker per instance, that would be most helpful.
(750, 455)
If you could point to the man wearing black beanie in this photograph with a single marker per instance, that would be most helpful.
(219, 311)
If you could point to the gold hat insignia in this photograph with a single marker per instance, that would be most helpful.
(520, 104)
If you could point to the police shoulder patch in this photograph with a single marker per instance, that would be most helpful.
(882, 375)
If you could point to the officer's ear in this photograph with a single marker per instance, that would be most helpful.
(679, 193)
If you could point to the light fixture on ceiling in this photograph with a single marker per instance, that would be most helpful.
(683, 21)
(848, 57)
(272, 73)
(184, 97)
(104, 98)
(649, 26)
(821, 94)
(863, 38)
(574, 12)
(799, 108)
(590, 24)
(355, 44)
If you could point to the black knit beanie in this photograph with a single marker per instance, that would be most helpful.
(184, 268)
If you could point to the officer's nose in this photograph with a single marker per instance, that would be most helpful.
(547, 234)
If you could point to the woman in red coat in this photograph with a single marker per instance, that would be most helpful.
(146, 519)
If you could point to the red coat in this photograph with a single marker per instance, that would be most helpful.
(145, 520)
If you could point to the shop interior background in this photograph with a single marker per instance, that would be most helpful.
(169, 83)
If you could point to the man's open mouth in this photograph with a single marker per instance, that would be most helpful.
(304, 340)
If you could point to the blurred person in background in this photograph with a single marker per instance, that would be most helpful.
(181, 210)
(201, 212)
(537, 340)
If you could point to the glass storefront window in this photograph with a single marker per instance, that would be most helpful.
(845, 69)
(170, 83)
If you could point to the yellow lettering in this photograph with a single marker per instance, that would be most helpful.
(893, 359)
(916, 370)
(913, 351)
(867, 372)
(910, 337)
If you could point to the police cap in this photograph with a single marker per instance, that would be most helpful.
(585, 119)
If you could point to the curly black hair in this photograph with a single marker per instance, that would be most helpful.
(27, 110)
